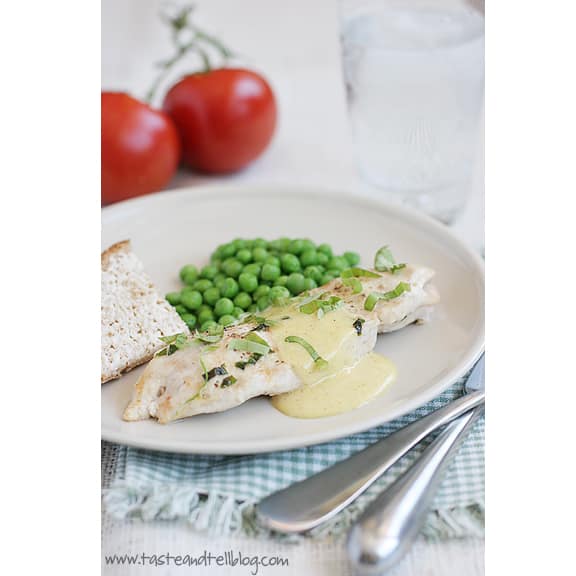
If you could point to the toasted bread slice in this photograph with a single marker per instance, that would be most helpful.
(134, 315)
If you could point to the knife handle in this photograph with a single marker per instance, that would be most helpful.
(310, 502)
(389, 525)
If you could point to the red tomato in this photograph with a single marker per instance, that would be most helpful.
(140, 148)
(226, 118)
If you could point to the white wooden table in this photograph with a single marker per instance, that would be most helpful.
(296, 45)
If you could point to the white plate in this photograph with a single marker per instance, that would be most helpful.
(171, 229)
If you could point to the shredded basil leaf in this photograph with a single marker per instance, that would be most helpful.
(318, 360)
(248, 345)
(259, 321)
(228, 381)
(217, 371)
(358, 325)
(353, 283)
(197, 395)
(373, 298)
(174, 342)
(204, 384)
(204, 369)
(212, 335)
(319, 304)
(358, 273)
(384, 261)
(305, 300)
(251, 361)
(255, 338)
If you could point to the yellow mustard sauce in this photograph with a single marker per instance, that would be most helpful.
(351, 377)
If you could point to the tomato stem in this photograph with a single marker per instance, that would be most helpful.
(181, 28)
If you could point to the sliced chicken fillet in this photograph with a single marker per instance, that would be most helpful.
(212, 378)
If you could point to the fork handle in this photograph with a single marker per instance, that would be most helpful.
(310, 502)
(387, 528)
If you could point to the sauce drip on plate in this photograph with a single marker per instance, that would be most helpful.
(351, 377)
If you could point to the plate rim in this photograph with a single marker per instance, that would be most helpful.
(279, 190)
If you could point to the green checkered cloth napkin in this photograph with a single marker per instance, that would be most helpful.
(216, 494)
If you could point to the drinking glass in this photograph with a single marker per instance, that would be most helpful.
(414, 73)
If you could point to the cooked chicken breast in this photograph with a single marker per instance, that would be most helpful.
(204, 378)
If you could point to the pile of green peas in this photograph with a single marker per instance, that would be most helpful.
(251, 275)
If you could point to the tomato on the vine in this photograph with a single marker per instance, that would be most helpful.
(140, 148)
(225, 117)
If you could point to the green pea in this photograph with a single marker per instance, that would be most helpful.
(237, 312)
(295, 283)
(308, 245)
(211, 296)
(228, 250)
(281, 281)
(181, 309)
(313, 272)
(270, 272)
(215, 258)
(226, 320)
(249, 244)
(219, 281)
(279, 292)
(296, 246)
(273, 260)
(353, 258)
(204, 315)
(284, 244)
(327, 277)
(309, 284)
(218, 251)
(262, 290)
(252, 308)
(223, 307)
(232, 268)
(321, 258)
(260, 243)
(290, 263)
(338, 263)
(253, 269)
(308, 258)
(209, 272)
(190, 278)
(244, 255)
(325, 249)
(192, 299)
(248, 282)
(202, 285)
(334, 272)
(239, 244)
(243, 300)
(207, 325)
(189, 320)
(188, 274)
(259, 254)
(173, 298)
(275, 245)
(263, 302)
(229, 288)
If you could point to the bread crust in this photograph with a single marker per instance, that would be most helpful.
(131, 366)
(169, 316)
(124, 246)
